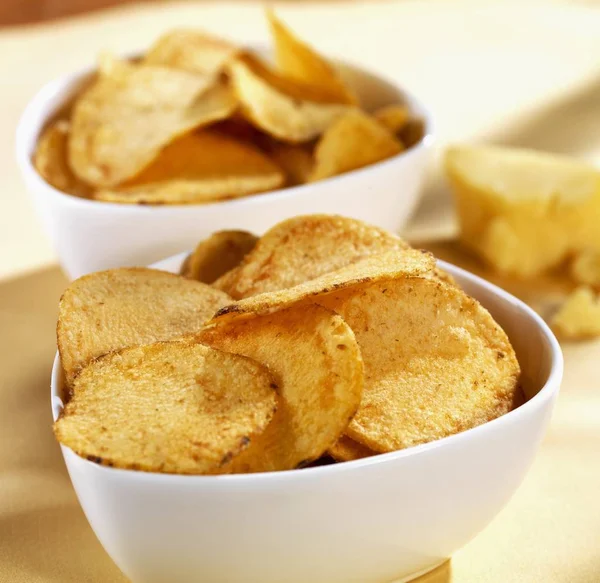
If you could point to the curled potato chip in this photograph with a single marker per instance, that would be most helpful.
(302, 248)
(296, 60)
(218, 254)
(110, 310)
(50, 160)
(352, 141)
(393, 117)
(192, 51)
(579, 317)
(201, 167)
(240, 129)
(413, 132)
(436, 363)
(383, 266)
(347, 450)
(441, 275)
(282, 108)
(320, 387)
(121, 123)
(296, 160)
(173, 407)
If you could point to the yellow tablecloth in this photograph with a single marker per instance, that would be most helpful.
(514, 72)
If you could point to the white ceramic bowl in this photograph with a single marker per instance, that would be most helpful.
(386, 518)
(90, 235)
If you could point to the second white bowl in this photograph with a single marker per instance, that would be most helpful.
(90, 235)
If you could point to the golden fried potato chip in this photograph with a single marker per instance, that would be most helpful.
(413, 132)
(172, 407)
(302, 248)
(320, 387)
(298, 61)
(50, 160)
(579, 317)
(281, 107)
(436, 363)
(110, 310)
(393, 117)
(585, 268)
(354, 140)
(221, 252)
(192, 51)
(382, 266)
(347, 450)
(441, 275)
(201, 167)
(121, 123)
(240, 129)
(524, 211)
(296, 160)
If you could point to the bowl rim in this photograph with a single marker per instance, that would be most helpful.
(61, 87)
(546, 393)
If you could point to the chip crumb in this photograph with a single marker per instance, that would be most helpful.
(579, 316)
(585, 268)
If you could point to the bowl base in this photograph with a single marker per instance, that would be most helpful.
(420, 573)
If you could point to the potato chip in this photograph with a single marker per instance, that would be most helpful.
(347, 450)
(173, 407)
(436, 363)
(585, 268)
(579, 317)
(50, 160)
(524, 211)
(296, 60)
(320, 387)
(110, 310)
(221, 252)
(393, 117)
(370, 269)
(282, 108)
(351, 142)
(441, 275)
(240, 129)
(413, 132)
(296, 160)
(302, 248)
(192, 51)
(201, 167)
(122, 122)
